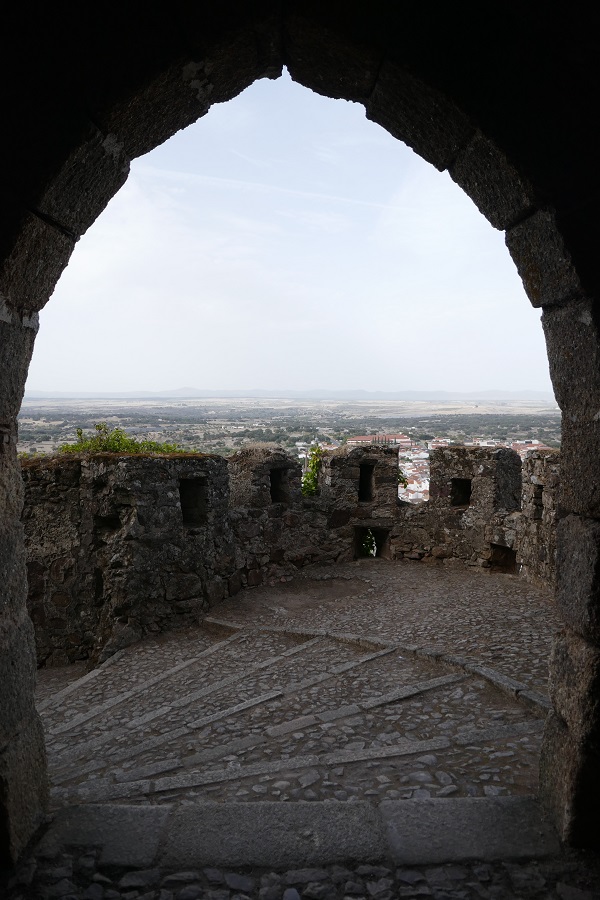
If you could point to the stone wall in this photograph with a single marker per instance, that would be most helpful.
(359, 492)
(532, 532)
(471, 490)
(120, 546)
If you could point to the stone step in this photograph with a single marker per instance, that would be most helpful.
(62, 763)
(117, 675)
(299, 835)
(225, 693)
(125, 668)
(200, 669)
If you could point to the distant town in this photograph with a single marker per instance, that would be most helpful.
(225, 425)
(413, 456)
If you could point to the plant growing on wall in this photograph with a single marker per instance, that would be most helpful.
(115, 440)
(369, 545)
(310, 478)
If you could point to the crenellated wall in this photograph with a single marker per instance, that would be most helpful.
(120, 546)
(488, 510)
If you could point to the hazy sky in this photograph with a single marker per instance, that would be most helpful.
(283, 241)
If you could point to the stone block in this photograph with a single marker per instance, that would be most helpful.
(209, 61)
(234, 584)
(443, 830)
(573, 344)
(215, 591)
(23, 789)
(580, 468)
(254, 577)
(277, 835)
(543, 261)
(180, 586)
(12, 570)
(30, 268)
(570, 784)
(574, 685)
(578, 575)
(327, 62)
(92, 172)
(418, 115)
(127, 836)
(493, 184)
(17, 673)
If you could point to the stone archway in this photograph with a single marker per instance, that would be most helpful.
(483, 99)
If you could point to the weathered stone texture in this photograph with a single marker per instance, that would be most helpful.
(29, 270)
(122, 546)
(573, 345)
(580, 467)
(23, 788)
(578, 575)
(119, 546)
(144, 77)
(574, 683)
(419, 115)
(319, 59)
(535, 529)
(569, 783)
(498, 191)
(475, 493)
(542, 260)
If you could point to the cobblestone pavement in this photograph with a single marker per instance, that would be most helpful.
(367, 681)
(81, 877)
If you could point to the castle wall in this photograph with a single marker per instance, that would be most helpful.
(122, 546)
(470, 488)
(536, 528)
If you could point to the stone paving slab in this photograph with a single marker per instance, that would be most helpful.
(306, 834)
(287, 695)
(369, 633)
(436, 831)
(496, 620)
(126, 835)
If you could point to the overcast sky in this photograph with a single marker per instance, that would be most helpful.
(283, 241)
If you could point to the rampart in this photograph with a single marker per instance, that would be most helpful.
(120, 546)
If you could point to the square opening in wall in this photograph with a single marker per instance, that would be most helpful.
(537, 501)
(279, 486)
(193, 495)
(460, 492)
(372, 542)
(503, 559)
(366, 483)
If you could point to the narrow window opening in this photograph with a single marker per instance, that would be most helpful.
(503, 559)
(98, 586)
(372, 542)
(366, 482)
(104, 528)
(538, 501)
(107, 523)
(193, 495)
(278, 483)
(460, 492)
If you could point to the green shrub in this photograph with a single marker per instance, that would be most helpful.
(369, 545)
(115, 440)
(310, 478)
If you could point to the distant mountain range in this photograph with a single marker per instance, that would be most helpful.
(195, 394)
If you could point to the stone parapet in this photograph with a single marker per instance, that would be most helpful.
(120, 546)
